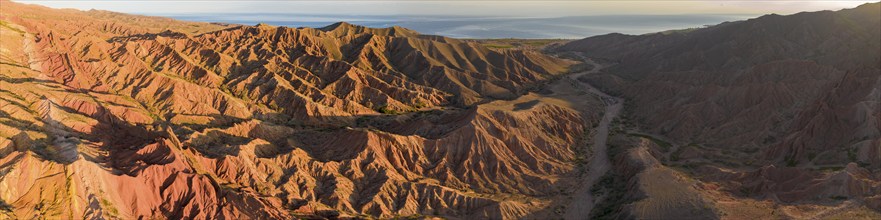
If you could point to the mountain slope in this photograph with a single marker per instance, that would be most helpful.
(777, 83)
(106, 115)
(773, 116)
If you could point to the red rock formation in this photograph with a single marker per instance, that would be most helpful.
(106, 115)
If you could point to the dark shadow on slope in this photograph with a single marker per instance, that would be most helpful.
(430, 124)
(216, 144)
(23, 80)
(119, 143)
(525, 105)
(149, 36)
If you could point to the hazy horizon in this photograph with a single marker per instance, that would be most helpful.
(472, 19)
(572, 27)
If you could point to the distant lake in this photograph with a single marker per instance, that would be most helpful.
(487, 27)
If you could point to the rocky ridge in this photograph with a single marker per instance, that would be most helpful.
(106, 115)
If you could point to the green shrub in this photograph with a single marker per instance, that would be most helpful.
(387, 110)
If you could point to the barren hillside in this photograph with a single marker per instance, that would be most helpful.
(775, 116)
(106, 115)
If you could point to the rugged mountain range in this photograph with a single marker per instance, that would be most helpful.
(787, 86)
(777, 108)
(106, 115)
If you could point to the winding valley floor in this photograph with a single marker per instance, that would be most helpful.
(598, 163)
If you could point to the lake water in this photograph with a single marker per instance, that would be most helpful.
(487, 27)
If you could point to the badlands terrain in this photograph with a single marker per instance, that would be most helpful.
(112, 116)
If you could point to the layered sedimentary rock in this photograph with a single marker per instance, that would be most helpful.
(106, 115)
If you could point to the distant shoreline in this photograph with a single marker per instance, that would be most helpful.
(486, 27)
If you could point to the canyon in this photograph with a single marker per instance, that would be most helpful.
(109, 115)
(105, 115)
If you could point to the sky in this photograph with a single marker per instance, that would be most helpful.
(458, 8)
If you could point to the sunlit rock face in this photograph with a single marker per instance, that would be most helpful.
(106, 115)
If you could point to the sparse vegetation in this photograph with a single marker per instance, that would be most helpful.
(791, 161)
(387, 110)
(5, 207)
(108, 207)
(420, 104)
(811, 156)
(838, 197)
(6, 25)
(499, 46)
(517, 43)
(612, 187)
(852, 154)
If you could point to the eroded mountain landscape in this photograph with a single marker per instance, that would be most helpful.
(105, 115)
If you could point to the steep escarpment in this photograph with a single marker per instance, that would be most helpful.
(106, 115)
